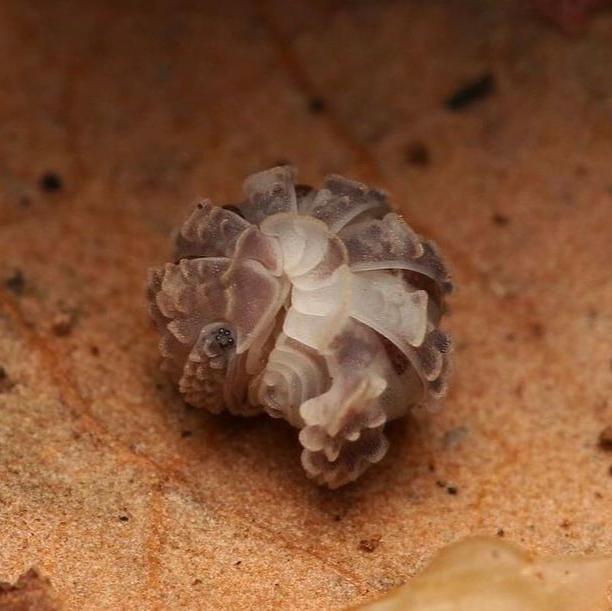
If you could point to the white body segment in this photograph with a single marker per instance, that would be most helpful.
(317, 307)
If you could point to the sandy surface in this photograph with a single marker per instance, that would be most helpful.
(125, 498)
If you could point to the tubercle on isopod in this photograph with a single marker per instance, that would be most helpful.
(320, 307)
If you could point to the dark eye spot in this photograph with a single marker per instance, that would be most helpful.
(224, 338)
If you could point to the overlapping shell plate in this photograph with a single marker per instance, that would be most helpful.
(317, 306)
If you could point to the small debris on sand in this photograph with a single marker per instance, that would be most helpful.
(30, 592)
(473, 91)
(50, 182)
(605, 439)
(369, 545)
(15, 283)
(63, 323)
(417, 153)
(6, 383)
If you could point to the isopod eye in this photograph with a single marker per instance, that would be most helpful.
(224, 338)
(218, 343)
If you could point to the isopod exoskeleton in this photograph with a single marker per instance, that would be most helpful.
(320, 307)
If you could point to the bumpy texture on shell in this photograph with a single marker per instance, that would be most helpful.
(319, 307)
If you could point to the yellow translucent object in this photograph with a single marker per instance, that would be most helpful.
(486, 574)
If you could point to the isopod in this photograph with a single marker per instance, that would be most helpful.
(320, 307)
